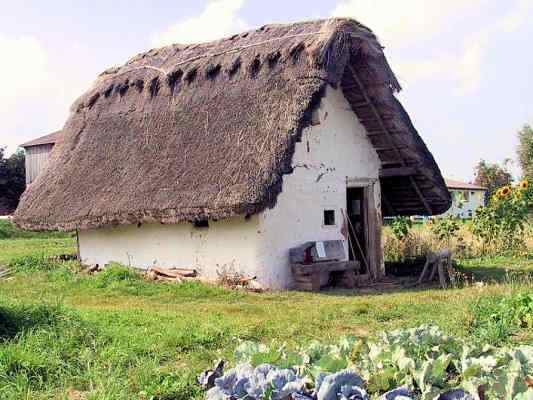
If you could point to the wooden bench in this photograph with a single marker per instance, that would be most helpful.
(308, 276)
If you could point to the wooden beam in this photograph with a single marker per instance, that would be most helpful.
(399, 171)
(380, 132)
(386, 131)
(395, 162)
(387, 148)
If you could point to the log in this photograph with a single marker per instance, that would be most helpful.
(174, 272)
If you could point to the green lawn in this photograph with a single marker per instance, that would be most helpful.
(67, 335)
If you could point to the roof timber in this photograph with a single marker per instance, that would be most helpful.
(385, 129)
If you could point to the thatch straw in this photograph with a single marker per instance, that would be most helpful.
(209, 130)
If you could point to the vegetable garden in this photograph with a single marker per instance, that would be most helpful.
(68, 335)
(421, 363)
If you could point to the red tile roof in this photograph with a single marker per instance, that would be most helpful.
(453, 184)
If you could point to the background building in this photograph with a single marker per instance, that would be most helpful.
(466, 198)
(37, 152)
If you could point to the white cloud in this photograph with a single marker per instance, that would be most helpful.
(404, 22)
(517, 16)
(401, 24)
(219, 18)
(37, 88)
(24, 68)
(462, 68)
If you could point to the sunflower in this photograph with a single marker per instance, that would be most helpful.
(524, 184)
(505, 191)
(498, 193)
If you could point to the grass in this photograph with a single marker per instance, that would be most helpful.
(67, 335)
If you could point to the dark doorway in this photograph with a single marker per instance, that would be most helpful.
(355, 205)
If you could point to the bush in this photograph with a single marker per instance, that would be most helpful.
(497, 318)
(502, 223)
(400, 227)
(445, 228)
(416, 243)
(117, 274)
(35, 263)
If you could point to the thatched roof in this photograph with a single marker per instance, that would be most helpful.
(208, 130)
(51, 138)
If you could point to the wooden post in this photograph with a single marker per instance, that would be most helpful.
(78, 245)
(373, 223)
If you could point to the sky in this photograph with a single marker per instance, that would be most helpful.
(466, 66)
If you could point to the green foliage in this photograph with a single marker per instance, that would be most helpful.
(8, 230)
(400, 227)
(497, 318)
(40, 344)
(492, 176)
(424, 359)
(12, 180)
(49, 345)
(36, 262)
(149, 339)
(525, 151)
(445, 228)
(501, 224)
(116, 274)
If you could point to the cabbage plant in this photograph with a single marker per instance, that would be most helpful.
(405, 364)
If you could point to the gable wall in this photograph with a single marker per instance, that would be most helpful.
(331, 153)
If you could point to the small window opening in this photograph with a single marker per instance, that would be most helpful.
(329, 217)
(201, 223)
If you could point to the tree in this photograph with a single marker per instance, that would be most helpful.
(492, 175)
(525, 151)
(12, 180)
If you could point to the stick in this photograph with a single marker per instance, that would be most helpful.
(424, 271)
(349, 240)
(358, 244)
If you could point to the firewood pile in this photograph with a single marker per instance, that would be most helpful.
(178, 275)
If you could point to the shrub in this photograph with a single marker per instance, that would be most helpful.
(116, 274)
(400, 227)
(497, 318)
(502, 223)
(445, 228)
(36, 262)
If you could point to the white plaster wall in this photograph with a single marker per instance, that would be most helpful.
(465, 209)
(332, 155)
(332, 152)
(227, 244)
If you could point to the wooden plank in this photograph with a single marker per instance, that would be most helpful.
(381, 132)
(388, 148)
(397, 171)
(324, 267)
